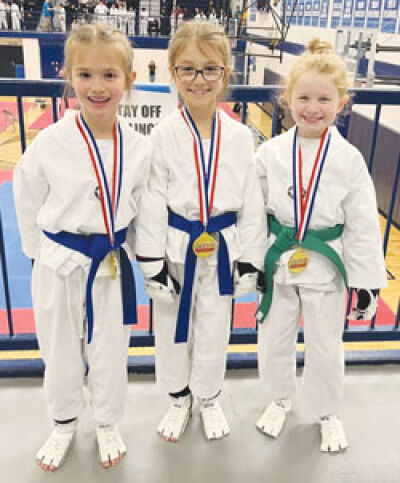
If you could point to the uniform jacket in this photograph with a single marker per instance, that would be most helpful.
(55, 189)
(173, 184)
(345, 196)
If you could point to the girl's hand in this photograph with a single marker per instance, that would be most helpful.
(244, 279)
(367, 301)
(158, 283)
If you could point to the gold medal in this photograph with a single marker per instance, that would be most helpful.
(298, 261)
(204, 245)
(113, 264)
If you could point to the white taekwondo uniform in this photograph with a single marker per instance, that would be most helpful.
(113, 17)
(173, 23)
(213, 18)
(199, 363)
(3, 15)
(143, 21)
(123, 20)
(179, 20)
(59, 20)
(345, 196)
(131, 16)
(55, 189)
(15, 17)
(101, 12)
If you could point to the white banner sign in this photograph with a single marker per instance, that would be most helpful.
(147, 105)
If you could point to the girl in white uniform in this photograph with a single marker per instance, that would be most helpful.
(74, 208)
(113, 16)
(3, 15)
(173, 22)
(179, 19)
(15, 17)
(101, 12)
(198, 145)
(131, 15)
(122, 18)
(324, 235)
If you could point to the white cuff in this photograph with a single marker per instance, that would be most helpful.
(151, 269)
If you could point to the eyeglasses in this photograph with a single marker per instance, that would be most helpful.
(209, 73)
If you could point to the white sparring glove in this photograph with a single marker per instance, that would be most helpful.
(158, 283)
(244, 279)
(367, 301)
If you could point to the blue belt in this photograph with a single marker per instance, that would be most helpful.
(97, 247)
(195, 229)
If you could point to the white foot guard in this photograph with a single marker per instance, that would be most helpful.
(333, 438)
(52, 454)
(273, 418)
(214, 422)
(174, 423)
(111, 447)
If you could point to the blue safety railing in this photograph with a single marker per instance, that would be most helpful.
(54, 89)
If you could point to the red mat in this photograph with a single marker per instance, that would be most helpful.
(5, 176)
(9, 113)
(47, 117)
(24, 321)
(244, 318)
(229, 111)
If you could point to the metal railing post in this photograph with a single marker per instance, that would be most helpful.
(7, 297)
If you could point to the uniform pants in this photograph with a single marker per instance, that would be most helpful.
(59, 312)
(143, 27)
(200, 363)
(323, 313)
(15, 23)
(3, 21)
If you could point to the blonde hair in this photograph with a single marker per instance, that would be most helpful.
(320, 57)
(207, 36)
(82, 36)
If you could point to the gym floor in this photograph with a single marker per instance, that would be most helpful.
(370, 417)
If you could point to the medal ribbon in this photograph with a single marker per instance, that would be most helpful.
(206, 175)
(303, 208)
(109, 203)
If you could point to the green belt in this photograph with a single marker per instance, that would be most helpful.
(285, 240)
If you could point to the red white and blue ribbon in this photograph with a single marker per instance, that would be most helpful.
(109, 200)
(303, 208)
(206, 174)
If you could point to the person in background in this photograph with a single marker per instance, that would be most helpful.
(122, 18)
(46, 16)
(113, 16)
(213, 16)
(3, 15)
(59, 19)
(131, 15)
(174, 16)
(144, 18)
(152, 71)
(101, 12)
(15, 16)
(165, 22)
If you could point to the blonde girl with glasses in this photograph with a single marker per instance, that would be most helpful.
(202, 213)
(77, 189)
